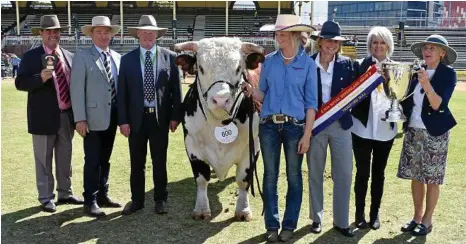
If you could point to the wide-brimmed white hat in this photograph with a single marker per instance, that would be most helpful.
(439, 40)
(287, 22)
(147, 22)
(100, 21)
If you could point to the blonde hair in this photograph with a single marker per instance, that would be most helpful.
(295, 41)
(383, 33)
(317, 46)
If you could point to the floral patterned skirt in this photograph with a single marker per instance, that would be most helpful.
(423, 157)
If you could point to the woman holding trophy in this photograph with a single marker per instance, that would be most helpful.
(371, 135)
(425, 146)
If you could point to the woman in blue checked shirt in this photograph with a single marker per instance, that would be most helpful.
(288, 91)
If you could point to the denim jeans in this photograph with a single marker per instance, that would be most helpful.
(271, 138)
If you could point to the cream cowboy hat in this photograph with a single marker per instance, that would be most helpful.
(287, 22)
(100, 21)
(47, 22)
(147, 22)
(439, 40)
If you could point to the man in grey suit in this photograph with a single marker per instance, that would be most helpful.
(93, 95)
(49, 113)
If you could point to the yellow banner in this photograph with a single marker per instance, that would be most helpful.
(461, 75)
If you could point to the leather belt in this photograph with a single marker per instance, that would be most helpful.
(281, 118)
(149, 110)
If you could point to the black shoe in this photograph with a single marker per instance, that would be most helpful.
(161, 207)
(409, 226)
(375, 222)
(93, 210)
(316, 227)
(106, 202)
(344, 231)
(49, 207)
(131, 208)
(360, 221)
(422, 230)
(70, 200)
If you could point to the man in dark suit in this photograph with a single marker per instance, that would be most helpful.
(149, 100)
(93, 93)
(50, 117)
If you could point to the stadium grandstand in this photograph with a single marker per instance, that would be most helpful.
(189, 20)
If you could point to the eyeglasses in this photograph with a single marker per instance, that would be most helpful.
(431, 48)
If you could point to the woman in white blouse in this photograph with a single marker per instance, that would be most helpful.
(371, 135)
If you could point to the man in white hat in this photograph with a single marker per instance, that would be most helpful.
(93, 94)
(50, 117)
(149, 102)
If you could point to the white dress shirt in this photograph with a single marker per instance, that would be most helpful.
(326, 77)
(376, 128)
(418, 97)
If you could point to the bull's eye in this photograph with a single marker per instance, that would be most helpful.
(201, 69)
(238, 69)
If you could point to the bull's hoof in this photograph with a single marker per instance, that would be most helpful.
(201, 215)
(243, 216)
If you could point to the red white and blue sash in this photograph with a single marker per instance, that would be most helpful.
(346, 99)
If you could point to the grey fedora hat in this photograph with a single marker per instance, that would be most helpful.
(147, 22)
(330, 30)
(47, 22)
(439, 40)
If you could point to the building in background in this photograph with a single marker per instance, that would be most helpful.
(454, 13)
(386, 13)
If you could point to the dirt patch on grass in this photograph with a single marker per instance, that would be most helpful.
(461, 86)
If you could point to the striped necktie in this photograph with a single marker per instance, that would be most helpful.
(63, 88)
(108, 69)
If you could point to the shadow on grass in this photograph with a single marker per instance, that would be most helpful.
(402, 238)
(145, 226)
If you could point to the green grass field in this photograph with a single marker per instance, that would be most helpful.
(23, 222)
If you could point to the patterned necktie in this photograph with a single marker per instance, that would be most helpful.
(149, 81)
(108, 69)
(63, 88)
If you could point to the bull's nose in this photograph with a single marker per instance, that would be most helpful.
(220, 102)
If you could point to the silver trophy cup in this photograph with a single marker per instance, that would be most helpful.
(397, 77)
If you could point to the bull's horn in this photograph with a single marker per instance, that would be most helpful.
(186, 46)
(248, 47)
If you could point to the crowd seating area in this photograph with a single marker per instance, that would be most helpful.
(244, 24)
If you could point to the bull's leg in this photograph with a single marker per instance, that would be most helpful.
(201, 172)
(243, 212)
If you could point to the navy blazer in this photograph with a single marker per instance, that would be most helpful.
(130, 95)
(43, 113)
(345, 71)
(438, 121)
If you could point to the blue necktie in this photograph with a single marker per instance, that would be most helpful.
(149, 81)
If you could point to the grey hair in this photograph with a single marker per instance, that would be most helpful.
(385, 34)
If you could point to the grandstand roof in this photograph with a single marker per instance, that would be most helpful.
(179, 4)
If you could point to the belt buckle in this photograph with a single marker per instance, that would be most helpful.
(279, 118)
(150, 110)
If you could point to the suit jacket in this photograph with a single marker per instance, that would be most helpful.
(345, 71)
(130, 95)
(43, 112)
(91, 93)
(438, 121)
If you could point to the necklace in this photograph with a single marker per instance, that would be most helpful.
(286, 57)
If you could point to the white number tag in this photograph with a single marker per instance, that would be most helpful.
(226, 134)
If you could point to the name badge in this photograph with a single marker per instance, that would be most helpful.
(226, 134)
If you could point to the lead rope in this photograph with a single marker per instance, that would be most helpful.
(253, 158)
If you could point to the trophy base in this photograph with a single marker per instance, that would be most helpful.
(395, 117)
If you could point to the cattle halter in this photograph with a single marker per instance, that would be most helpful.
(211, 118)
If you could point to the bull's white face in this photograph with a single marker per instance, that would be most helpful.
(220, 64)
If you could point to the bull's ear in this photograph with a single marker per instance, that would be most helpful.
(253, 60)
(186, 62)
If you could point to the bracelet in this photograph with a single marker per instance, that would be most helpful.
(427, 93)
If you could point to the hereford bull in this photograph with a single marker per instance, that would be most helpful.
(216, 116)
